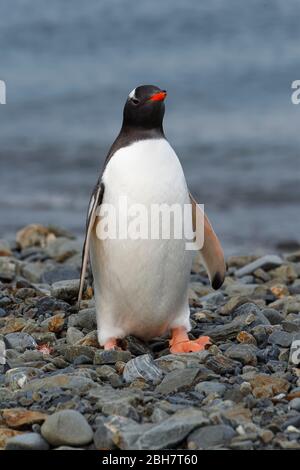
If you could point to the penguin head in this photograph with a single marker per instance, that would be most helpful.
(145, 107)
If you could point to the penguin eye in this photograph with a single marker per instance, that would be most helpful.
(135, 101)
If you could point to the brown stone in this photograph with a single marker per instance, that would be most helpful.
(5, 434)
(56, 323)
(34, 235)
(267, 386)
(20, 417)
(13, 325)
(246, 338)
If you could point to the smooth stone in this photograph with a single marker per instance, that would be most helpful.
(59, 273)
(72, 352)
(267, 386)
(73, 382)
(62, 248)
(111, 356)
(20, 341)
(7, 269)
(265, 262)
(102, 437)
(27, 441)
(281, 338)
(274, 317)
(3, 313)
(142, 367)
(244, 353)
(210, 436)
(295, 404)
(211, 387)
(183, 379)
(171, 431)
(33, 271)
(84, 319)
(73, 335)
(67, 427)
(65, 290)
(18, 377)
(106, 395)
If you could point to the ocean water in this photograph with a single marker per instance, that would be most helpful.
(228, 67)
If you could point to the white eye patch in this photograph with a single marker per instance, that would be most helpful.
(132, 94)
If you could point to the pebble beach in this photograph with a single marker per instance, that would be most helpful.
(60, 390)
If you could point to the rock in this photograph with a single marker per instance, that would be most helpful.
(102, 437)
(265, 262)
(3, 313)
(54, 324)
(20, 341)
(67, 427)
(65, 290)
(72, 352)
(5, 248)
(236, 415)
(180, 380)
(209, 388)
(5, 434)
(232, 304)
(73, 335)
(210, 436)
(172, 431)
(248, 310)
(106, 395)
(72, 382)
(246, 338)
(7, 269)
(13, 325)
(33, 271)
(221, 364)
(244, 353)
(28, 441)
(85, 319)
(281, 338)
(142, 367)
(267, 386)
(111, 356)
(34, 235)
(274, 317)
(17, 418)
(62, 248)
(181, 361)
(59, 273)
(286, 274)
(18, 377)
(295, 403)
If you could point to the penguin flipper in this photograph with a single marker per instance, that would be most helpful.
(95, 202)
(211, 253)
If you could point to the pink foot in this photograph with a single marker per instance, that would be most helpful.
(111, 344)
(180, 342)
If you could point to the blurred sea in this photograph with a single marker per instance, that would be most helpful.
(228, 67)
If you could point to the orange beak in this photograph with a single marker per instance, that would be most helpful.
(159, 96)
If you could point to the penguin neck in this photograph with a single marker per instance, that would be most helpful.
(135, 133)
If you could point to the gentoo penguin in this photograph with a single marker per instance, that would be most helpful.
(141, 285)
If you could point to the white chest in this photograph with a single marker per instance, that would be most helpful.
(146, 171)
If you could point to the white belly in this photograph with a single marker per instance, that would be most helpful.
(141, 285)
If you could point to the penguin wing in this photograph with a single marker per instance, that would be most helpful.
(211, 253)
(95, 202)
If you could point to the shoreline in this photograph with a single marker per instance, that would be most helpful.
(242, 393)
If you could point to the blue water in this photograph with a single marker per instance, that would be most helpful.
(228, 66)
